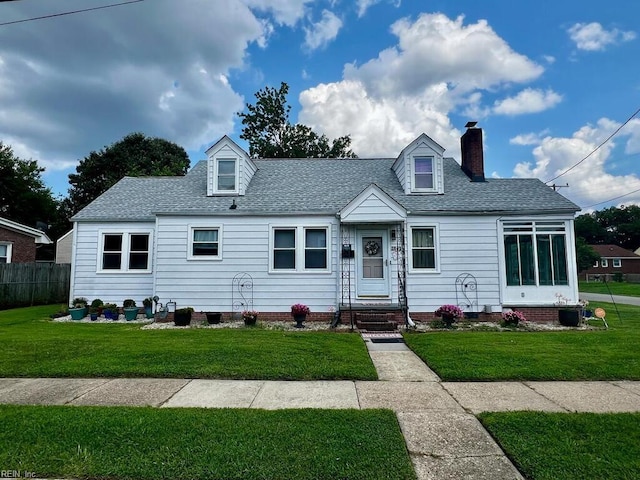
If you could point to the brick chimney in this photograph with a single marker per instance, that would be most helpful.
(472, 153)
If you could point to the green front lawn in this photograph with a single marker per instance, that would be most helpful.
(616, 288)
(33, 346)
(566, 446)
(151, 443)
(556, 355)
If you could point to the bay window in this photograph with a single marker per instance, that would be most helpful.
(535, 253)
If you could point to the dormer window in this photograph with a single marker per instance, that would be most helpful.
(423, 173)
(226, 180)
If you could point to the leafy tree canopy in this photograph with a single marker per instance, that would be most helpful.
(134, 155)
(23, 195)
(586, 256)
(271, 135)
(616, 226)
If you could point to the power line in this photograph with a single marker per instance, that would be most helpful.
(71, 12)
(612, 199)
(597, 148)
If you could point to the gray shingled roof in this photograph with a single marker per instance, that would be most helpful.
(318, 186)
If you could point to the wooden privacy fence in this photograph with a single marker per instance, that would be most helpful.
(23, 284)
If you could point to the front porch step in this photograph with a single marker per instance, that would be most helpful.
(376, 321)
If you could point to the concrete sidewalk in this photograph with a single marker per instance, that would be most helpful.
(443, 437)
(602, 297)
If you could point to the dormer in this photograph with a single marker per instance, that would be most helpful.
(229, 168)
(419, 167)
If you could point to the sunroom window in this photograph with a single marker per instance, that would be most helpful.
(535, 253)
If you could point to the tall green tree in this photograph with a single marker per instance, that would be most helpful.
(586, 256)
(24, 198)
(617, 226)
(134, 155)
(270, 133)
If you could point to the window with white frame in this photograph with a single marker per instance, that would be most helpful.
(423, 174)
(535, 253)
(315, 248)
(298, 249)
(423, 248)
(604, 262)
(226, 180)
(124, 252)
(617, 263)
(204, 243)
(5, 253)
(596, 263)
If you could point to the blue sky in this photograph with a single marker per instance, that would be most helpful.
(548, 81)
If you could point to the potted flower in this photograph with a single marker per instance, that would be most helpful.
(512, 318)
(299, 313)
(214, 317)
(93, 313)
(97, 305)
(130, 309)
(568, 315)
(449, 313)
(147, 303)
(110, 311)
(182, 316)
(78, 309)
(250, 317)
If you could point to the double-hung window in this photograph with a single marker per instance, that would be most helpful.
(299, 249)
(617, 263)
(204, 243)
(423, 179)
(5, 253)
(604, 262)
(535, 253)
(125, 252)
(226, 175)
(423, 248)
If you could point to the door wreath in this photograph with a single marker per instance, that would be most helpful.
(372, 247)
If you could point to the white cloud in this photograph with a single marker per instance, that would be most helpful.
(528, 138)
(591, 181)
(364, 5)
(438, 65)
(593, 37)
(528, 100)
(322, 32)
(285, 12)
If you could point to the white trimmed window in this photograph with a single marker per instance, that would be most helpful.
(604, 262)
(299, 249)
(617, 263)
(204, 243)
(423, 174)
(423, 248)
(5, 253)
(535, 253)
(596, 264)
(226, 175)
(125, 252)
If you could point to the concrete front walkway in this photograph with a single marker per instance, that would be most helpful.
(443, 437)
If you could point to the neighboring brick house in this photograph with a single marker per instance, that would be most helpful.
(613, 259)
(18, 243)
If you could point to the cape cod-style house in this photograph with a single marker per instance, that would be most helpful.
(340, 235)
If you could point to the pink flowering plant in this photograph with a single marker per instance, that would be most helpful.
(449, 310)
(513, 317)
(249, 313)
(299, 309)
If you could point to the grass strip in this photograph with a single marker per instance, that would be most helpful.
(523, 355)
(147, 443)
(37, 347)
(559, 446)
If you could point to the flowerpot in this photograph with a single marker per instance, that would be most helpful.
(130, 313)
(181, 319)
(569, 318)
(448, 319)
(94, 316)
(250, 320)
(148, 312)
(213, 317)
(77, 313)
(299, 320)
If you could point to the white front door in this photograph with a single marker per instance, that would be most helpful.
(373, 263)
